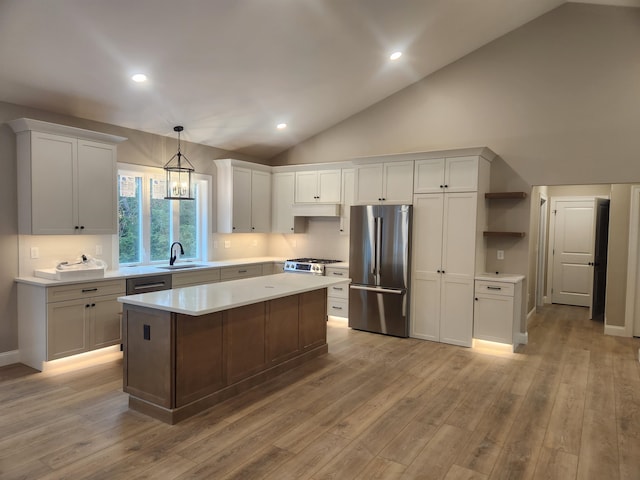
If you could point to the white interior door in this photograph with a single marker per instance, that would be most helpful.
(573, 251)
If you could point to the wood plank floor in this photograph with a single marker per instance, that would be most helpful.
(565, 406)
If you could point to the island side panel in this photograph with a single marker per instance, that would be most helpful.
(313, 319)
(200, 368)
(283, 330)
(244, 330)
(148, 354)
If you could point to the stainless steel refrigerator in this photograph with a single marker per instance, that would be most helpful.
(379, 267)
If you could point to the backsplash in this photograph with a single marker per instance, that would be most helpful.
(322, 240)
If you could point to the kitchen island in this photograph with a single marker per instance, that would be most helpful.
(187, 349)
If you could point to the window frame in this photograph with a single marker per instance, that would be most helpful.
(203, 214)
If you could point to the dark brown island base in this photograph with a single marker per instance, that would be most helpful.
(177, 364)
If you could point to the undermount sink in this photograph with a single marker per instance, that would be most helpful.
(181, 266)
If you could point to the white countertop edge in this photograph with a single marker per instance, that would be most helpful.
(500, 277)
(148, 270)
(216, 297)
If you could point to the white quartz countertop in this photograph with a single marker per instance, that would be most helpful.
(216, 297)
(500, 277)
(127, 272)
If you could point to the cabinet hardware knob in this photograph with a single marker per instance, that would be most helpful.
(446, 186)
(76, 227)
(438, 271)
(443, 271)
(93, 304)
(233, 228)
(87, 306)
(476, 299)
(253, 228)
(81, 227)
(291, 229)
(441, 186)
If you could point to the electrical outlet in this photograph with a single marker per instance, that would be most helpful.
(35, 252)
(254, 243)
(227, 244)
(500, 254)
(98, 249)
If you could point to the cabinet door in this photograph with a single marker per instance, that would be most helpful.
(260, 201)
(348, 199)
(66, 328)
(105, 321)
(459, 237)
(306, 187)
(282, 220)
(313, 319)
(241, 200)
(429, 176)
(456, 314)
(493, 318)
(53, 202)
(329, 186)
(425, 306)
(398, 182)
(369, 184)
(461, 174)
(96, 183)
(426, 266)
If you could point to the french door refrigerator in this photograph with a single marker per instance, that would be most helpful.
(379, 267)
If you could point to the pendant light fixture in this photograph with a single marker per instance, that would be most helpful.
(178, 171)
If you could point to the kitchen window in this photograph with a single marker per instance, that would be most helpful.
(148, 224)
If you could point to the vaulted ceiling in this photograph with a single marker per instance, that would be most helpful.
(231, 70)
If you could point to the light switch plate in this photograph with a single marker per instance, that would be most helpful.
(227, 244)
(98, 249)
(35, 252)
(500, 254)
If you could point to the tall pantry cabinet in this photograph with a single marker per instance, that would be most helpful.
(449, 217)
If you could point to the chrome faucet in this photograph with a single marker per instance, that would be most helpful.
(172, 257)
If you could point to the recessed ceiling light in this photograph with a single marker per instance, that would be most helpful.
(139, 77)
(395, 55)
(281, 126)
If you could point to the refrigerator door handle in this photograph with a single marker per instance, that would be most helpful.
(378, 289)
(374, 252)
(378, 247)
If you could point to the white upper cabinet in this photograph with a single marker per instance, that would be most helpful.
(244, 197)
(67, 179)
(348, 187)
(388, 182)
(283, 196)
(455, 174)
(318, 186)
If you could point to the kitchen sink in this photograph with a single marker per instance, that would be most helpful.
(181, 266)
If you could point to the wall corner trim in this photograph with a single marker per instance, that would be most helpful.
(521, 338)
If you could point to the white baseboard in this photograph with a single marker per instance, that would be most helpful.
(9, 358)
(522, 338)
(616, 331)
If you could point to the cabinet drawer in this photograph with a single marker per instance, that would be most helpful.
(231, 273)
(494, 288)
(82, 290)
(195, 278)
(336, 272)
(338, 291)
(337, 307)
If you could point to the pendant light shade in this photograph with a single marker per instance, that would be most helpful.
(178, 172)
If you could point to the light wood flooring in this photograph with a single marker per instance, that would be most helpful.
(565, 406)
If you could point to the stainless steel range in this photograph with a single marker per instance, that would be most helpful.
(314, 266)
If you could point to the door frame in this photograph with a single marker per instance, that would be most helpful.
(543, 208)
(631, 326)
(552, 231)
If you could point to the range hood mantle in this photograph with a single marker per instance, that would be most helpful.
(316, 210)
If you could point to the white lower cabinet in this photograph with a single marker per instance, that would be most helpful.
(338, 295)
(244, 271)
(497, 310)
(59, 321)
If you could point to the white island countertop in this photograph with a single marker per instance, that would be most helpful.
(216, 297)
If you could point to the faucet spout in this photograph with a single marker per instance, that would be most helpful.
(172, 256)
